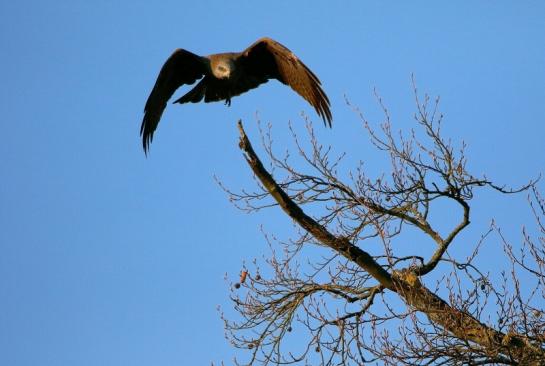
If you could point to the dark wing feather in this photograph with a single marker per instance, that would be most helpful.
(267, 59)
(247, 76)
(182, 67)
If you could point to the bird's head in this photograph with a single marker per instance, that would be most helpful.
(223, 71)
(222, 67)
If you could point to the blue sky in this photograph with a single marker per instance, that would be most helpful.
(111, 258)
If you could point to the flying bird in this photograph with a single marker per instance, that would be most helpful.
(226, 75)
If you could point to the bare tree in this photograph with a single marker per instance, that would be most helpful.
(358, 302)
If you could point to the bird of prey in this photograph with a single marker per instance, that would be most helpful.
(226, 75)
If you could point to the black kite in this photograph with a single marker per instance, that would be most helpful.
(226, 75)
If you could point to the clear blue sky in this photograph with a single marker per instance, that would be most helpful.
(109, 258)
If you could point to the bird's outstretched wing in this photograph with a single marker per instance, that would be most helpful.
(182, 67)
(266, 59)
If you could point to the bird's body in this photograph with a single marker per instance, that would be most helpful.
(226, 75)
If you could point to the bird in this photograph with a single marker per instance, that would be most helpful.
(226, 75)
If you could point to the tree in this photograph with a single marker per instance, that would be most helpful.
(346, 303)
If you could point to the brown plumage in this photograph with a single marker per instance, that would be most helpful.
(225, 75)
